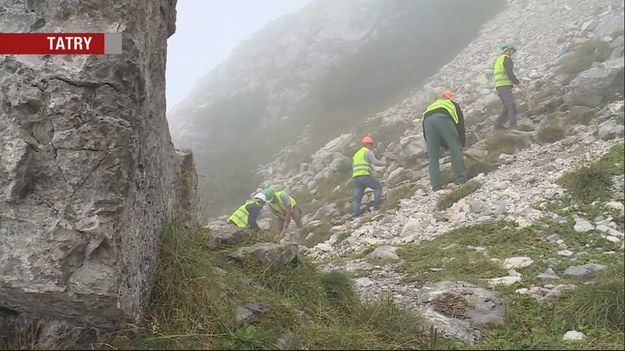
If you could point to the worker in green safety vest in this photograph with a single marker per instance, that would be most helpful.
(284, 207)
(505, 79)
(246, 215)
(443, 126)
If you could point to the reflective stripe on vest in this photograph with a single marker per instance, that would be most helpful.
(360, 166)
(499, 73)
(280, 207)
(240, 216)
(447, 105)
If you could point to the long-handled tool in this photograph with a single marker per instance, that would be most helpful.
(477, 159)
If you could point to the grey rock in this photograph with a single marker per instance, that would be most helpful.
(384, 252)
(505, 158)
(548, 274)
(250, 312)
(610, 231)
(551, 262)
(584, 272)
(288, 341)
(396, 176)
(553, 237)
(590, 86)
(219, 271)
(249, 283)
(615, 205)
(610, 24)
(412, 227)
(582, 225)
(89, 175)
(566, 253)
(364, 282)
(268, 253)
(460, 309)
(227, 235)
(517, 262)
(189, 194)
(610, 130)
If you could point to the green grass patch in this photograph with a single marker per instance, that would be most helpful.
(550, 133)
(503, 143)
(193, 307)
(473, 167)
(581, 115)
(596, 309)
(593, 181)
(394, 196)
(466, 189)
(597, 306)
(525, 128)
(320, 233)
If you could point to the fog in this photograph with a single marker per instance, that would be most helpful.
(206, 33)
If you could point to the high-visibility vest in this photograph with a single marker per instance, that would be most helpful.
(447, 105)
(280, 206)
(360, 166)
(240, 216)
(499, 73)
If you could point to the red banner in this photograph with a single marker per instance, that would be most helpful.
(59, 43)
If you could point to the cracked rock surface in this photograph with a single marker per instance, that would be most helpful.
(88, 173)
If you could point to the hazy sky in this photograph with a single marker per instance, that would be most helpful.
(206, 33)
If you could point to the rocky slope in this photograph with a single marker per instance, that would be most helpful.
(88, 174)
(304, 72)
(545, 46)
(571, 104)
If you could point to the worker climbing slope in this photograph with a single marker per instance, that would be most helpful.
(505, 79)
(362, 167)
(443, 126)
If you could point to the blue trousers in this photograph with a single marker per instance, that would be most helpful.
(360, 184)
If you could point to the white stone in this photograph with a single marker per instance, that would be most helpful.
(573, 335)
(412, 227)
(582, 225)
(364, 282)
(615, 205)
(611, 238)
(566, 253)
(509, 280)
(517, 262)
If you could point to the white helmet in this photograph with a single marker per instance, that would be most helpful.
(261, 197)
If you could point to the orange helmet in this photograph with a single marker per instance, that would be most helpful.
(367, 140)
(448, 94)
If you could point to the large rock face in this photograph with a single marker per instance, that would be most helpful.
(88, 174)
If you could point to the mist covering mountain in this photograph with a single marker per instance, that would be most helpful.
(307, 77)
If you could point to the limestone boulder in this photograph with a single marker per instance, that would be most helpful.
(88, 173)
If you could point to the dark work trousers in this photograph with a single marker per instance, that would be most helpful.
(438, 127)
(360, 184)
(508, 111)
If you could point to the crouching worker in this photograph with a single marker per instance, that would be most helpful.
(246, 215)
(283, 206)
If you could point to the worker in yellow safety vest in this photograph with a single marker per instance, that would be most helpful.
(362, 167)
(505, 79)
(284, 207)
(246, 215)
(443, 126)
